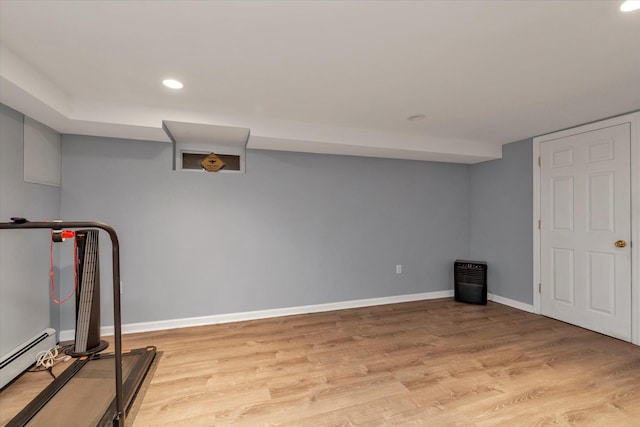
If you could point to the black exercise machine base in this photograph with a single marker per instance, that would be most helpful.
(84, 394)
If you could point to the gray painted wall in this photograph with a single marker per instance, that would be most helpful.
(296, 229)
(501, 207)
(24, 255)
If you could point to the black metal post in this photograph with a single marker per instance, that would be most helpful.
(119, 419)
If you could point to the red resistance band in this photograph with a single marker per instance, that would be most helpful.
(65, 234)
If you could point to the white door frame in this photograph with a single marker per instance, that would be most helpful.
(634, 120)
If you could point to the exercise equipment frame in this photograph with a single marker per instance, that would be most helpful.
(119, 416)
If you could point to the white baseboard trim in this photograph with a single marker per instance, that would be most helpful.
(512, 303)
(159, 325)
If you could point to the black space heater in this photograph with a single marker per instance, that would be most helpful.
(470, 281)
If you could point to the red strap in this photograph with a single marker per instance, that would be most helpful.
(51, 272)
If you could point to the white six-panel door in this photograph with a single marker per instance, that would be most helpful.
(585, 208)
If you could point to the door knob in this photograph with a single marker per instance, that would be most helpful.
(620, 244)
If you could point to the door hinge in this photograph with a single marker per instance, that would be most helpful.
(539, 161)
(539, 288)
(539, 224)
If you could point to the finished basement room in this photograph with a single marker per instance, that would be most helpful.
(319, 213)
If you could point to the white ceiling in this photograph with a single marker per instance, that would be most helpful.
(324, 76)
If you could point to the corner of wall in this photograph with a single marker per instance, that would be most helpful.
(22, 268)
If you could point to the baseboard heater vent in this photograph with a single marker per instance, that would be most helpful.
(470, 281)
(16, 361)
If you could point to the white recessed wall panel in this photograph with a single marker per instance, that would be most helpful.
(41, 154)
(562, 158)
(562, 199)
(601, 280)
(562, 261)
(600, 209)
(601, 151)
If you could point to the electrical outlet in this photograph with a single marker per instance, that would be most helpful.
(398, 268)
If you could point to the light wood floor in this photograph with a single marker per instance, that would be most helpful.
(436, 363)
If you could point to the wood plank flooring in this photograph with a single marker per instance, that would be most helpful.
(436, 363)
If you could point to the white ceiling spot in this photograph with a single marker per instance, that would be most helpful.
(327, 77)
(172, 84)
(630, 5)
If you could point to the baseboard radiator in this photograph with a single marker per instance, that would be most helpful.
(16, 361)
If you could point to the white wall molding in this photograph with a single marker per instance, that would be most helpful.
(131, 328)
(215, 319)
(534, 226)
(513, 303)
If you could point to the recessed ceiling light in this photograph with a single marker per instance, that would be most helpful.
(630, 5)
(173, 84)
(416, 118)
